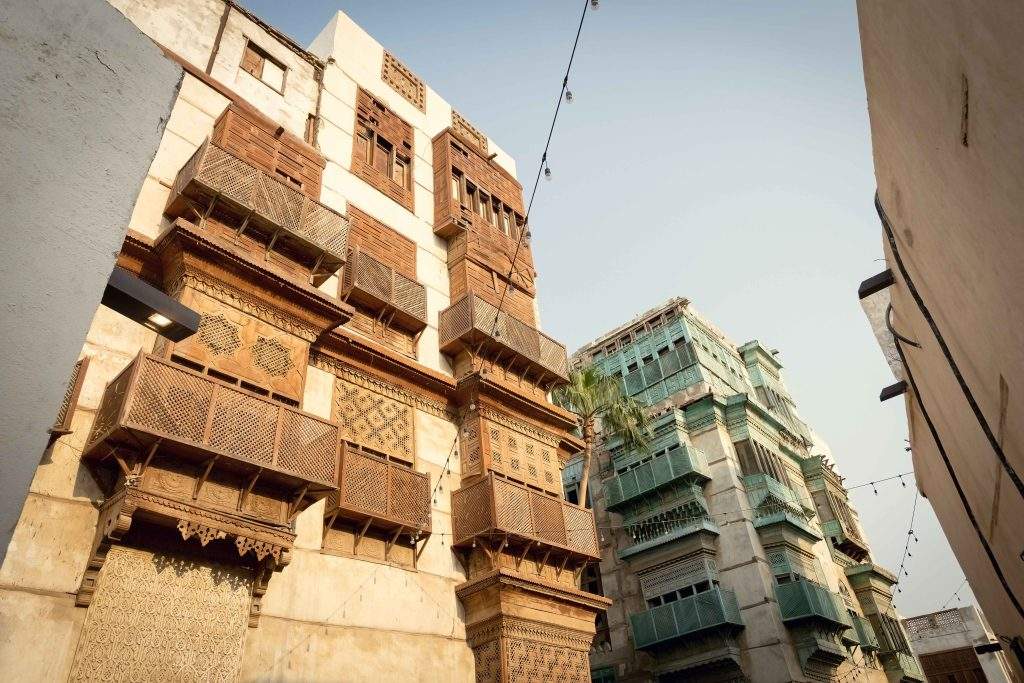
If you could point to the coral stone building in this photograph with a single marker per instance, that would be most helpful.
(958, 645)
(351, 471)
(729, 548)
(945, 88)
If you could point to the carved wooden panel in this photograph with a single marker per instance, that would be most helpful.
(374, 420)
(405, 82)
(468, 131)
(383, 151)
(163, 617)
(504, 444)
(514, 650)
(366, 323)
(239, 345)
(529, 660)
(382, 242)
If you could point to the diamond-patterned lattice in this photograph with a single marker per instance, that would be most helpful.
(219, 335)
(528, 660)
(308, 447)
(243, 425)
(374, 421)
(172, 402)
(365, 483)
(272, 356)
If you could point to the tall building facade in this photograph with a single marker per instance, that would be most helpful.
(944, 93)
(958, 645)
(352, 470)
(729, 547)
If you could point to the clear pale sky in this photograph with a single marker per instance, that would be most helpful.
(715, 150)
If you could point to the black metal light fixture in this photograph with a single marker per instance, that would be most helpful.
(148, 306)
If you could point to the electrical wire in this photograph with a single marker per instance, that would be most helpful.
(906, 547)
(954, 595)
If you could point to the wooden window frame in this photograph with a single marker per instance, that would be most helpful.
(264, 56)
(373, 140)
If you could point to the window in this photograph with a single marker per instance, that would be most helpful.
(256, 62)
(506, 223)
(400, 171)
(472, 202)
(457, 195)
(484, 207)
(374, 150)
(382, 155)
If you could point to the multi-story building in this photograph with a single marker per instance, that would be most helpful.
(944, 93)
(352, 470)
(729, 547)
(957, 645)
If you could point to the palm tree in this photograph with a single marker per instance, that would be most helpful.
(593, 396)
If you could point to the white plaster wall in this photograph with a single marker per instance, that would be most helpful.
(86, 96)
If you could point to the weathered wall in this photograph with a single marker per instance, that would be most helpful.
(86, 96)
(945, 95)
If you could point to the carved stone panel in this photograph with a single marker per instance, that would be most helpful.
(372, 419)
(241, 346)
(162, 617)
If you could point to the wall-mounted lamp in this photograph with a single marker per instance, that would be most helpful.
(148, 306)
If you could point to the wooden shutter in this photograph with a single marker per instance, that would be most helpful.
(62, 425)
(252, 61)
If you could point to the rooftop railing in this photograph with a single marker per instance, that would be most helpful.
(262, 201)
(497, 508)
(473, 321)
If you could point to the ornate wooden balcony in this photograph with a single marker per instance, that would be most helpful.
(865, 633)
(503, 511)
(846, 539)
(902, 666)
(684, 464)
(473, 322)
(653, 526)
(691, 616)
(775, 503)
(301, 225)
(203, 419)
(379, 493)
(809, 601)
(398, 298)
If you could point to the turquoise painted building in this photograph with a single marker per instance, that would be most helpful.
(729, 545)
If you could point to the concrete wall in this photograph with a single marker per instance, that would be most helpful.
(945, 94)
(955, 629)
(86, 97)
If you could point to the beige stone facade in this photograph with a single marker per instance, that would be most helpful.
(730, 549)
(283, 495)
(944, 87)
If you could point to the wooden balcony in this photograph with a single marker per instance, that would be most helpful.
(289, 219)
(846, 539)
(809, 601)
(198, 418)
(690, 617)
(502, 511)
(775, 503)
(399, 300)
(474, 323)
(684, 464)
(379, 493)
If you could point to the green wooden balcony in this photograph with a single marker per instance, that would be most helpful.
(846, 540)
(775, 503)
(652, 525)
(684, 464)
(809, 601)
(902, 666)
(713, 609)
(865, 633)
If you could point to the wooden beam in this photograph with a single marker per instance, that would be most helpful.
(125, 470)
(294, 511)
(391, 544)
(519, 559)
(209, 210)
(273, 241)
(248, 488)
(561, 567)
(359, 536)
(203, 477)
(329, 523)
(242, 227)
(149, 455)
(543, 560)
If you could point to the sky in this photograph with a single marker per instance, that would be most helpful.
(719, 151)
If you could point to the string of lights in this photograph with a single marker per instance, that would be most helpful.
(524, 234)
(902, 572)
(956, 594)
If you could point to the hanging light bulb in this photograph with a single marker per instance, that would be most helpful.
(903, 482)
(568, 96)
(474, 542)
(595, 4)
(873, 488)
(547, 172)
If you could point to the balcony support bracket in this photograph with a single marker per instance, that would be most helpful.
(543, 561)
(294, 511)
(561, 567)
(391, 544)
(248, 488)
(242, 227)
(359, 536)
(203, 477)
(526, 550)
(149, 455)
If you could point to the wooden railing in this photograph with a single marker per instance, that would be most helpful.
(685, 463)
(803, 599)
(373, 489)
(472, 320)
(687, 618)
(265, 202)
(371, 282)
(155, 399)
(497, 508)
